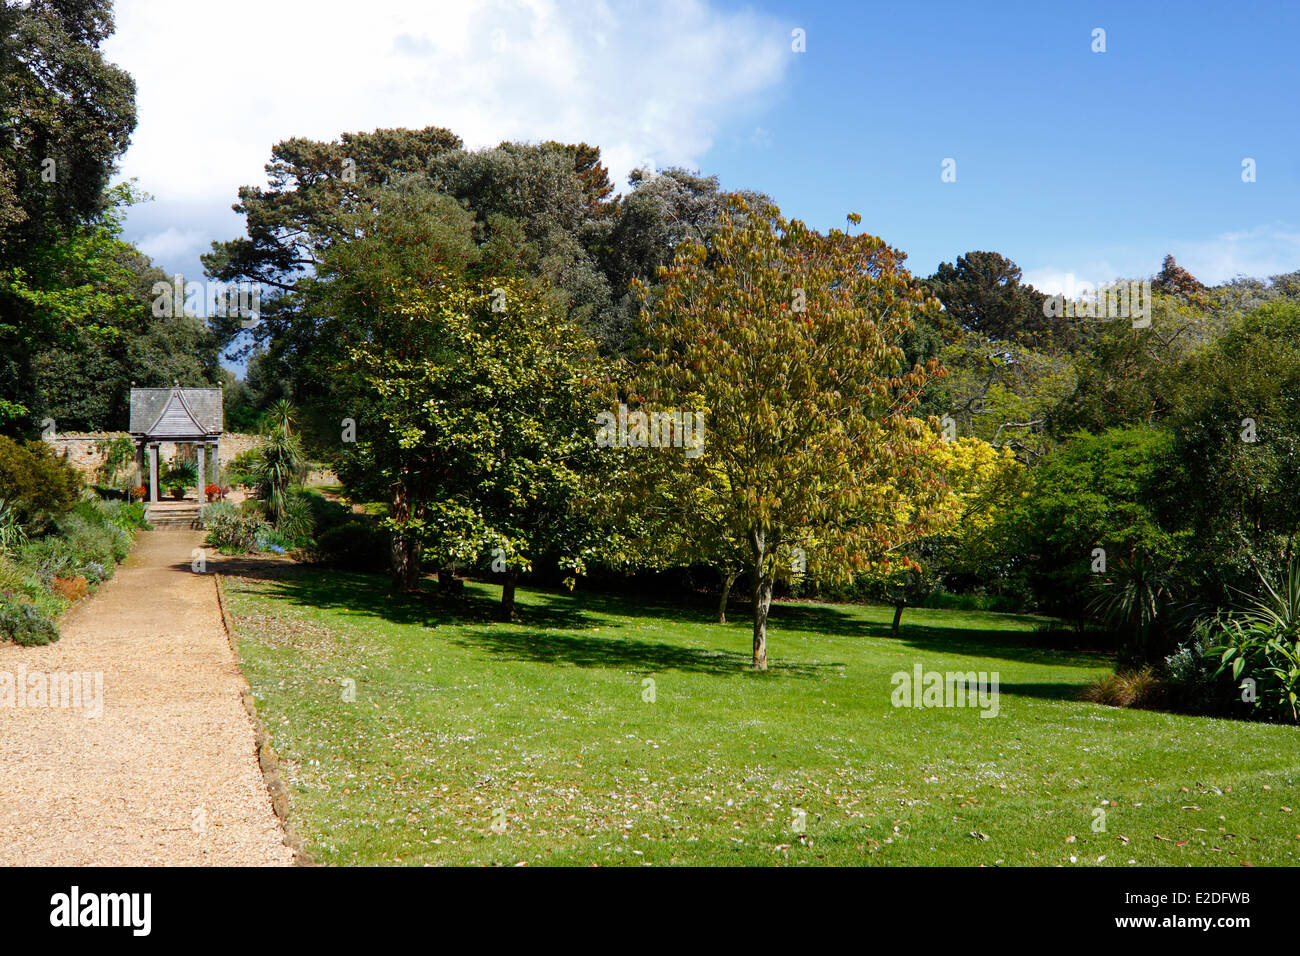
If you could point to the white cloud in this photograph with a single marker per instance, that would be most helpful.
(173, 243)
(1263, 251)
(219, 84)
(1070, 284)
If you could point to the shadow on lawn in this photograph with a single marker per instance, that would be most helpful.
(1042, 691)
(985, 641)
(625, 653)
(1005, 645)
(364, 595)
(360, 595)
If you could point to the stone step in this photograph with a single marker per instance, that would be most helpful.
(173, 514)
(174, 522)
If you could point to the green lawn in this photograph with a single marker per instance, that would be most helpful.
(540, 728)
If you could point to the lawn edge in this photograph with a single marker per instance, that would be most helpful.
(267, 760)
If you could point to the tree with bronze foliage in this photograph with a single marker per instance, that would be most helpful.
(787, 340)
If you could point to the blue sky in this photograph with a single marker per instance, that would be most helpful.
(1067, 160)
(1071, 162)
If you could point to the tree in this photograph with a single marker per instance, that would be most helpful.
(280, 460)
(1106, 491)
(979, 483)
(83, 330)
(983, 293)
(486, 433)
(1173, 279)
(1235, 461)
(534, 210)
(1002, 392)
(640, 237)
(1126, 376)
(787, 340)
(660, 515)
(65, 117)
(406, 237)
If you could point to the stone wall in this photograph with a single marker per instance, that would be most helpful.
(80, 448)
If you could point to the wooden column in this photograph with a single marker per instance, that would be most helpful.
(153, 471)
(203, 471)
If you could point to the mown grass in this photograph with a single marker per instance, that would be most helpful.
(463, 726)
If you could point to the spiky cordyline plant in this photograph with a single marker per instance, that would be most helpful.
(1262, 642)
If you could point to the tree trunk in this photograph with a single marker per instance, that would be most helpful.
(762, 603)
(405, 551)
(762, 596)
(508, 595)
(898, 617)
(728, 579)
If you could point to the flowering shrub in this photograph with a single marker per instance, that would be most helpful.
(232, 530)
(23, 624)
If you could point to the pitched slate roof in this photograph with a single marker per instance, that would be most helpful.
(176, 412)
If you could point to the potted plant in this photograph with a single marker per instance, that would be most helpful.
(179, 476)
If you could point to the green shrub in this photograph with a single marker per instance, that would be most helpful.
(253, 506)
(1195, 686)
(1262, 645)
(230, 529)
(298, 520)
(49, 557)
(272, 539)
(18, 582)
(90, 511)
(35, 479)
(243, 469)
(127, 515)
(24, 624)
(103, 543)
(1253, 651)
(354, 546)
(12, 534)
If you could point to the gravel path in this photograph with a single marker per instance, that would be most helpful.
(168, 773)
